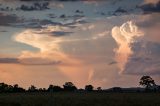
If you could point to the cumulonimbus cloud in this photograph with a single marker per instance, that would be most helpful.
(50, 51)
(125, 35)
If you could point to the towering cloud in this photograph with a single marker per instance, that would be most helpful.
(125, 35)
(50, 52)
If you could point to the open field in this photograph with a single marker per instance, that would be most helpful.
(80, 99)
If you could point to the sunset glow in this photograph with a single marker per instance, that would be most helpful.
(101, 42)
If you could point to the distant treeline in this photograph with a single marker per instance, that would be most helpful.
(68, 86)
(146, 81)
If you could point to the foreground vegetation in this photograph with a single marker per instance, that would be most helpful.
(80, 99)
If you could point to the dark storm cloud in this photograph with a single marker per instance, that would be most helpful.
(145, 59)
(150, 8)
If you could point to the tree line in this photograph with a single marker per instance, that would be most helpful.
(146, 81)
(68, 86)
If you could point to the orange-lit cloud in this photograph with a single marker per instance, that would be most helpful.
(125, 35)
(50, 51)
(151, 1)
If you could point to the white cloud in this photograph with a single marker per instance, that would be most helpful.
(92, 26)
(125, 35)
(103, 33)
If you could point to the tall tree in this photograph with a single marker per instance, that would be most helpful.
(147, 82)
(89, 88)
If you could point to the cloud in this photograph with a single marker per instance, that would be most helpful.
(43, 42)
(60, 33)
(148, 20)
(125, 35)
(103, 33)
(136, 54)
(151, 6)
(145, 60)
(149, 23)
(50, 52)
(35, 6)
(38, 61)
(78, 70)
(120, 10)
(8, 19)
(58, 5)
(29, 61)
(55, 31)
(89, 27)
(91, 74)
(151, 1)
(35, 23)
(46, 39)
(9, 60)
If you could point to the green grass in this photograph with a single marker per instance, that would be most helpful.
(80, 99)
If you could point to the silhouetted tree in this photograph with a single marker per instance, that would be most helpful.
(99, 88)
(53, 88)
(50, 88)
(3, 87)
(89, 88)
(16, 88)
(42, 90)
(9, 88)
(32, 88)
(69, 86)
(147, 82)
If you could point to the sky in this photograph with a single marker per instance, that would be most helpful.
(105, 43)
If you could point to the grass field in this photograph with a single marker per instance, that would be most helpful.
(80, 99)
